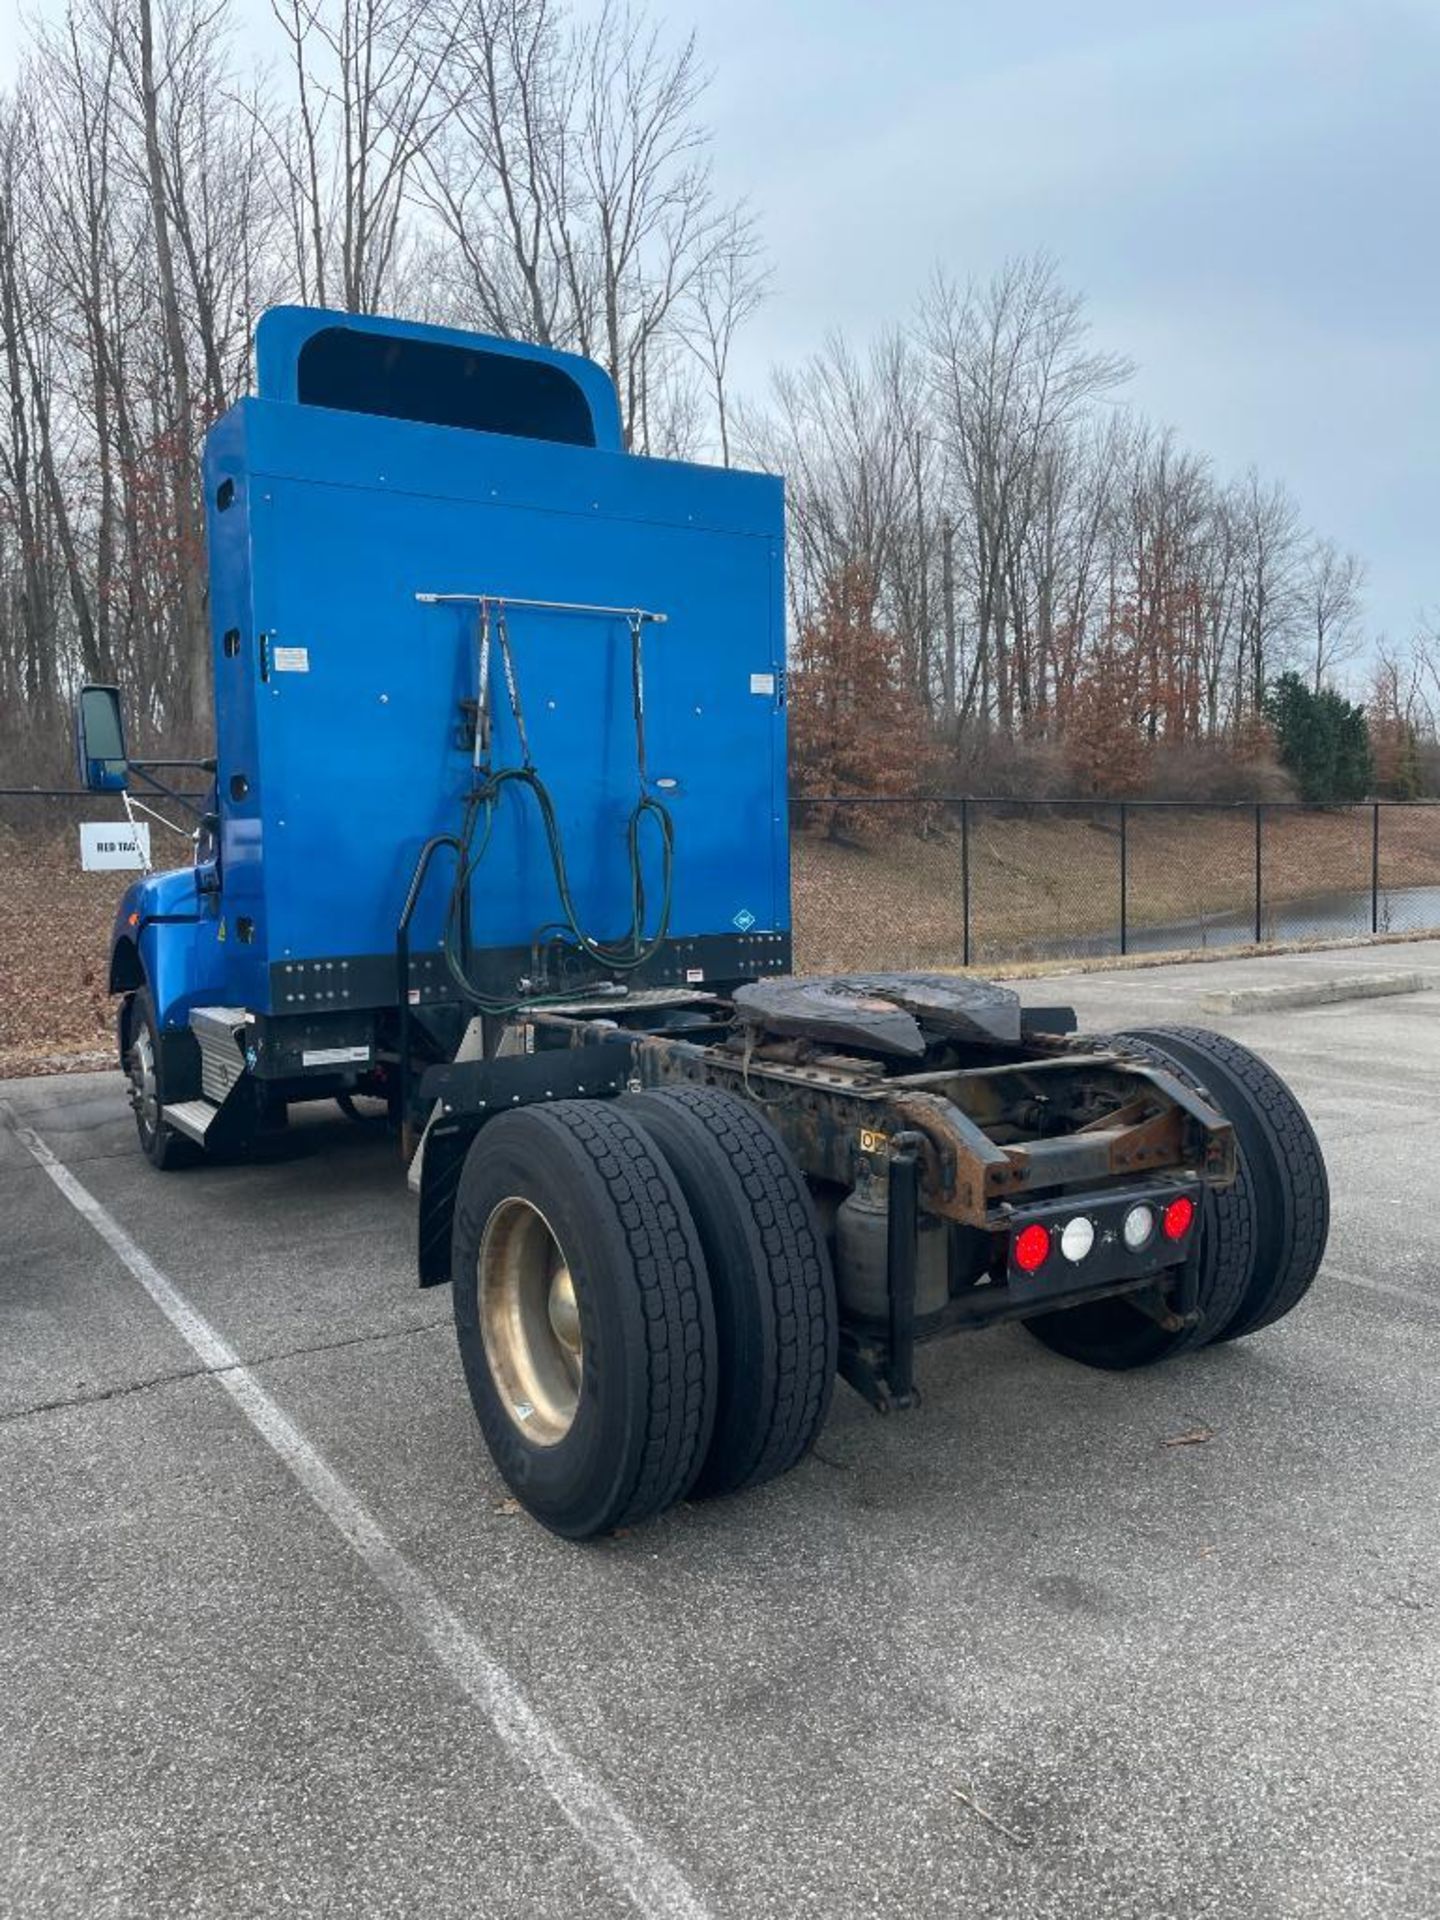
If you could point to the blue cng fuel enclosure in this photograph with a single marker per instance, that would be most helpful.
(397, 508)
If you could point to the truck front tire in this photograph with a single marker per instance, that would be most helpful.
(583, 1314)
(145, 1069)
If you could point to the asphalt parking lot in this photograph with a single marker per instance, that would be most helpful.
(274, 1642)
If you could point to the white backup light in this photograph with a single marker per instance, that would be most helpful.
(1139, 1225)
(1077, 1239)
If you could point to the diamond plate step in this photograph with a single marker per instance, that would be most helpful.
(217, 1029)
(192, 1118)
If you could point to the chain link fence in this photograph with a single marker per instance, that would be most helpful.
(908, 883)
(944, 883)
(55, 947)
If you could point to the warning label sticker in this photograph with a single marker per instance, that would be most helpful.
(291, 659)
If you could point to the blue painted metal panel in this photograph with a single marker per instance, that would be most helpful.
(337, 691)
(283, 333)
(176, 931)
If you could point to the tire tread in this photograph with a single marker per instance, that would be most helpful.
(791, 1259)
(1293, 1188)
(613, 1171)
(671, 1284)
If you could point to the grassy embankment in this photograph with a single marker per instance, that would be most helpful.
(1040, 883)
(1035, 884)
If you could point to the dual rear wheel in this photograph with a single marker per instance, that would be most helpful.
(646, 1310)
(644, 1304)
(1262, 1239)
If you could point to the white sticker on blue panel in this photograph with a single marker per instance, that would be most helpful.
(762, 683)
(291, 659)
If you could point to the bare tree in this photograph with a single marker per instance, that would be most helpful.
(570, 185)
(1330, 587)
(1271, 546)
(832, 428)
(28, 629)
(1010, 369)
(151, 206)
(730, 285)
(366, 76)
(139, 60)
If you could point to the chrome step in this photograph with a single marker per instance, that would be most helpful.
(218, 1031)
(191, 1117)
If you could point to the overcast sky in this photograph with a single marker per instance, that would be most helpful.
(1245, 190)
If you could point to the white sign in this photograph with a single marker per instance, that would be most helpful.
(292, 659)
(762, 683)
(114, 846)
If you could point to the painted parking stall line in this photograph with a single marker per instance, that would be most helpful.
(639, 1869)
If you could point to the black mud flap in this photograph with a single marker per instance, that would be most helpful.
(440, 1165)
(469, 1093)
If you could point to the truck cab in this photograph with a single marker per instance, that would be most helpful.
(432, 560)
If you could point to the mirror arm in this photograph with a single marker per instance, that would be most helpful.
(145, 769)
(198, 766)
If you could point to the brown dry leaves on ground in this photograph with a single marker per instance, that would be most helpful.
(55, 1011)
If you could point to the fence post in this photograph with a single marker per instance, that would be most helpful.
(1259, 871)
(965, 878)
(1375, 870)
(1124, 879)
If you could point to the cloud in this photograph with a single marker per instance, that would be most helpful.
(1244, 191)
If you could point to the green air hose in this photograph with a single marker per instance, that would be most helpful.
(632, 949)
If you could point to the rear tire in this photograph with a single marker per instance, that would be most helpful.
(1262, 1239)
(1115, 1336)
(1283, 1160)
(776, 1321)
(593, 1379)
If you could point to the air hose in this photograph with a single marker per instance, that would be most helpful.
(632, 949)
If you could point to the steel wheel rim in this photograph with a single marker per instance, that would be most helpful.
(144, 1094)
(530, 1321)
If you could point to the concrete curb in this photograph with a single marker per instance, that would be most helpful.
(1317, 993)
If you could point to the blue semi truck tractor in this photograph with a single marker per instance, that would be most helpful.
(497, 834)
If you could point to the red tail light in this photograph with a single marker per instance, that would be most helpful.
(1179, 1217)
(1031, 1248)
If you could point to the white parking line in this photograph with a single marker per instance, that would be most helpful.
(652, 1882)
